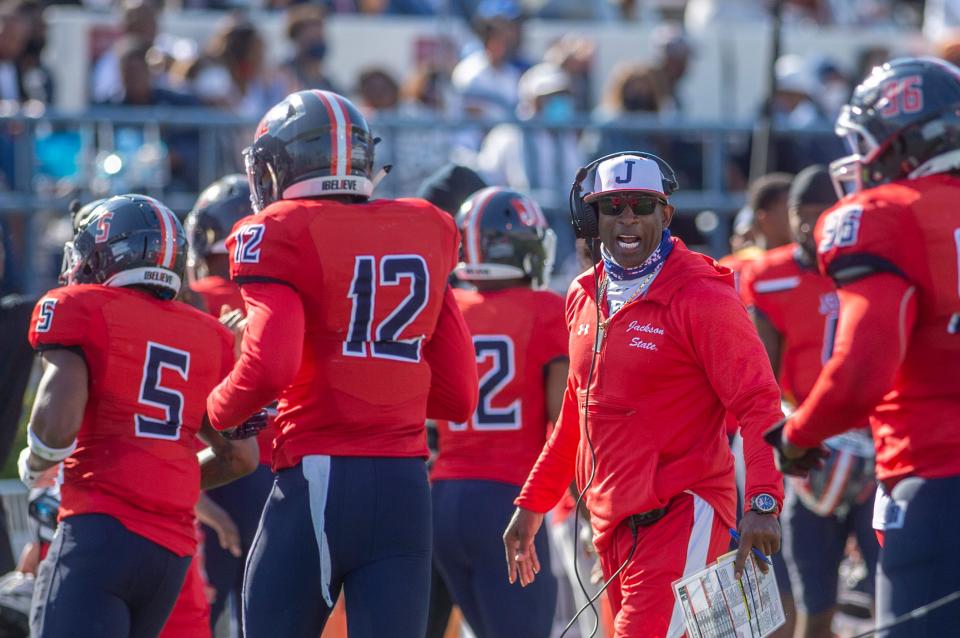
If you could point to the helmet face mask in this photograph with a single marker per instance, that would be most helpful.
(262, 180)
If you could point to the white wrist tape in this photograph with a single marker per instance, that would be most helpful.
(44, 451)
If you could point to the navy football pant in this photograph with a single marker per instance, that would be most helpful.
(813, 547)
(469, 518)
(100, 580)
(920, 559)
(356, 523)
(243, 500)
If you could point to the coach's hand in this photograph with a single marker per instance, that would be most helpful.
(518, 543)
(757, 530)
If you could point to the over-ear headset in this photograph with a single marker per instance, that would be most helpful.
(584, 215)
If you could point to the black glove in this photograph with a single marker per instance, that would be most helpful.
(800, 466)
(250, 427)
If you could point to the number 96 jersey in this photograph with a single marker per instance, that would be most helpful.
(151, 364)
(371, 278)
(911, 229)
(517, 333)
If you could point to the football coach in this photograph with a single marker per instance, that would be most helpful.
(660, 349)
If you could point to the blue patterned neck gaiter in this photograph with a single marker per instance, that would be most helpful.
(656, 258)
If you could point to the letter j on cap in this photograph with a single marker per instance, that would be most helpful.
(626, 179)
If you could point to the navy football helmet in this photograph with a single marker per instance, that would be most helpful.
(129, 240)
(312, 144)
(221, 205)
(903, 121)
(846, 479)
(504, 236)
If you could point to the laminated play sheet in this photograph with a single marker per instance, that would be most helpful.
(716, 605)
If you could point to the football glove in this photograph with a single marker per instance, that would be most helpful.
(250, 427)
(36, 478)
(812, 458)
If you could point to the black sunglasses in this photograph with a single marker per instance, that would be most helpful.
(640, 204)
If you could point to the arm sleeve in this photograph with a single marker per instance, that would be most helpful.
(269, 358)
(737, 366)
(453, 366)
(227, 356)
(553, 472)
(877, 314)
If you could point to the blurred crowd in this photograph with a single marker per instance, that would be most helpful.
(529, 113)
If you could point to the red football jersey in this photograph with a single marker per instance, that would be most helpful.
(911, 228)
(803, 306)
(516, 332)
(216, 293)
(151, 365)
(371, 278)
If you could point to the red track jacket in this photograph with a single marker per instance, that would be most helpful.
(670, 365)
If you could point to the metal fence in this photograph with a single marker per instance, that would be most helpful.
(50, 158)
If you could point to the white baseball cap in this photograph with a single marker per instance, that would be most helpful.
(627, 173)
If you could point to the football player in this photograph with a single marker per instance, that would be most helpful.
(891, 246)
(126, 371)
(795, 310)
(350, 321)
(520, 339)
(221, 205)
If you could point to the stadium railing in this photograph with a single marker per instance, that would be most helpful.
(52, 157)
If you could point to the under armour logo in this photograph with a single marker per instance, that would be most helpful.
(626, 179)
(582, 329)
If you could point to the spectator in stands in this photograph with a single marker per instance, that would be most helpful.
(487, 79)
(795, 107)
(535, 160)
(139, 22)
(835, 88)
(204, 79)
(14, 33)
(672, 52)
(538, 161)
(138, 89)
(236, 51)
(305, 30)
(377, 92)
(427, 147)
(575, 54)
(137, 85)
(35, 80)
(632, 89)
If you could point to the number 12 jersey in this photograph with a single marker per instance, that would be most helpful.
(372, 279)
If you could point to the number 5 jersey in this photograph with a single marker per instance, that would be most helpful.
(151, 364)
(369, 313)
